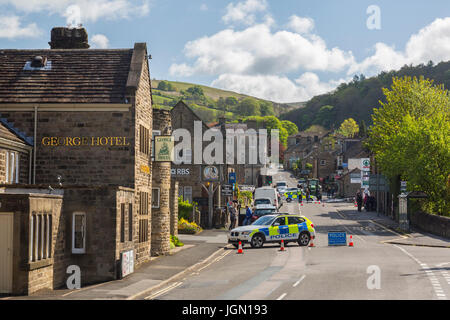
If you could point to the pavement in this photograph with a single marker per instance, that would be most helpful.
(413, 238)
(198, 250)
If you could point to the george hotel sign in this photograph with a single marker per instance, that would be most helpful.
(84, 141)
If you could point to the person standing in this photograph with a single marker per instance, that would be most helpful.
(359, 200)
(233, 216)
(248, 216)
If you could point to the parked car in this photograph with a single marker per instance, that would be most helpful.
(267, 192)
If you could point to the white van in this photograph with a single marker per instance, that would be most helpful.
(267, 192)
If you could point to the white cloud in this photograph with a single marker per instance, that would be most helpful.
(300, 24)
(89, 10)
(244, 12)
(203, 7)
(99, 41)
(257, 50)
(11, 27)
(276, 88)
(431, 43)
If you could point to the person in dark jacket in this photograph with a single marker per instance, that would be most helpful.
(359, 200)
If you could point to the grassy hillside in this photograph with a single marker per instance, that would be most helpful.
(211, 103)
(358, 98)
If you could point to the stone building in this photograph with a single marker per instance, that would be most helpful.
(85, 196)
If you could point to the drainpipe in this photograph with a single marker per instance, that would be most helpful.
(35, 144)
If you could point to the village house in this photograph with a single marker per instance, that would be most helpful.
(78, 184)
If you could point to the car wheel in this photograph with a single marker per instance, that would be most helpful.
(288, 200)
(257, 241)
(303, 239)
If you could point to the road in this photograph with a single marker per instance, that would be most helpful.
(371, 269)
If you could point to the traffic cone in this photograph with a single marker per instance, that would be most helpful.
(282, 245)
(240, 248)
(311, 243)
(301, 204)
(356, 204)
(350, 244)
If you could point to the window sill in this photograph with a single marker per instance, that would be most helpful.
(39, 264)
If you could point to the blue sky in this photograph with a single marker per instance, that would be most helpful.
(284, 51)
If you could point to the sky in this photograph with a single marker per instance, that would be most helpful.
(279, 50)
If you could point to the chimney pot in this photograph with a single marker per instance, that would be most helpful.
(69, 38)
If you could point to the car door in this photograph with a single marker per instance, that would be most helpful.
(295, 225)
(278, 228)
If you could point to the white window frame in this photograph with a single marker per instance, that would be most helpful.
(78, 250)
(185, 198)
(12, 167)
(159, 194)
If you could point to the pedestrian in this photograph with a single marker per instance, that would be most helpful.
(248, 216)
(307, 194)
(359, 200)
(233, 216)
(366, 202)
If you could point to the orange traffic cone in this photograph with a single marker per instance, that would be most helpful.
(350, 244)
(356, 204)
(240, 248)
(282, 245)
(301, 204)
(311, 243)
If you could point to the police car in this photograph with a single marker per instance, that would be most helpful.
(274, 228)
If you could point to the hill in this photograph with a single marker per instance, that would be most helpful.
(358, 98)
(211, 103)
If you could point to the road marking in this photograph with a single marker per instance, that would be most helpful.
(282, 296)
(434, 281)
(215, 260)
(165, 290)
(349, 231)
(301, 279)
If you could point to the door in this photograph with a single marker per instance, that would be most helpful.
(6, 252)
(277, 226)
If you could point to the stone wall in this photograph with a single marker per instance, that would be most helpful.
(32, 276)
(438, 225)
(161, 180)
(91, 163)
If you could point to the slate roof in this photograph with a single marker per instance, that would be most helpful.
(71, 76)
(10, 133)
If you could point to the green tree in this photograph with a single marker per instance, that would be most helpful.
(231, 101)
(411, 138)
(290, 127)
(248, 107)
(162, 85)
(325, 117)
(349, 128)
(196, 91)
(266, 108)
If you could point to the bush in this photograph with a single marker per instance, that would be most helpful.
(175, 241)
(186, 227)
(184, 209)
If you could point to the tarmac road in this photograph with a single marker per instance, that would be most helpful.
(371, 269)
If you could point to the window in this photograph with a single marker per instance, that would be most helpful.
(281, 221)
(122, 222)
(154, 133)
(295, 220)
(12, 167)
(155, 198)
(180, 191)
(130, 222)
(79, 232)
(143, 219)
(144, 140)
(40, 246)
(187, 194)
(323, 162)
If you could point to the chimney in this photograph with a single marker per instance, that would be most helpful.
(69, 38)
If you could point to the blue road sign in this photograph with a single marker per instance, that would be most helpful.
(232, 177)
(337, 238)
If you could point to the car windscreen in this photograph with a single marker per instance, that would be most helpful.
(281, 184)
(264, 221)
(263, 212)
(262, 201)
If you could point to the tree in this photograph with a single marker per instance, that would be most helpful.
(349, 128)
(231, 101)
(196, 91)
(266, 108)
(326, 116)
(362, 129)
(290, 127)
(162, 85)
(411, 138)
(248, 107)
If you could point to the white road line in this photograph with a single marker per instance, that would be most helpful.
(282, 296)
(165, 290)
(434, 281)
(301, 279)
